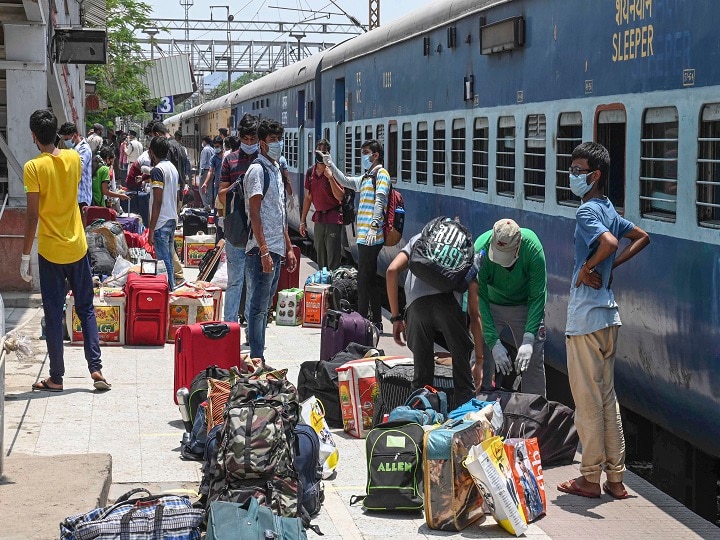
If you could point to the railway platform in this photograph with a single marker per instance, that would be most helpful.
(65, 453)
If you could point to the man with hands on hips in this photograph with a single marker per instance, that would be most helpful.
(269, 242)
(512, 291)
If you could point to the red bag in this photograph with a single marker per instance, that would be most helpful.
(524, 458)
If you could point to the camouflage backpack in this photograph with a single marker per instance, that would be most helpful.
(255, 449)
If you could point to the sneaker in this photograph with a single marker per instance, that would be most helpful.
(178, 285)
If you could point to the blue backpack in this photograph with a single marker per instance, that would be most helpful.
(309, 468)
(403, 413)
(236, 226)
(320, 277)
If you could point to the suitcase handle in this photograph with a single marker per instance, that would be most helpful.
(345, 306)
(332, 319)
(215, 330)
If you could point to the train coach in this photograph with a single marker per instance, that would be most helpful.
(479, 104)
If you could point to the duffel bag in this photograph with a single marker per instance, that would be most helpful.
(251, 521)
(144, 518)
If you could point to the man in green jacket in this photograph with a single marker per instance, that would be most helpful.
(512, 292)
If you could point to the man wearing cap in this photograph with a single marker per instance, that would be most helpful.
(95, 140)
(133, 147)
(512, 290)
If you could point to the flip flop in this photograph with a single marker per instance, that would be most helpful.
(606, 489)
(43, 386)
(101, 384)
(572, 488)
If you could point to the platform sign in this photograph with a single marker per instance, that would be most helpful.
(166, 105)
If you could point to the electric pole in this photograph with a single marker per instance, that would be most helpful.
(374, 17)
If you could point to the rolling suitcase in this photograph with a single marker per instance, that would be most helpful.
(340, 328)
(194, 223)
(288, 280)
(147, 312)
(131, 223)
(93, 213)
(200, 345)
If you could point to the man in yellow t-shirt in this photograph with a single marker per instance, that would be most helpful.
(51, 187)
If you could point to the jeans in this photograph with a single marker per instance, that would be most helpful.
(369, 290)
(514, 318)
(206, 195)
(52, 291)
(440, 313)
(164, 239)
(260, 288)
(236, 279)
(328, 237)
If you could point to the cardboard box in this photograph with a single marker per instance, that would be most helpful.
(195, 247)
(315, 302)
(193, 303)
(110, 314)
(179, 244)
(358, 389)
(289, 311)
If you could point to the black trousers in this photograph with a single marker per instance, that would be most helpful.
(369, 288)
(440, 313)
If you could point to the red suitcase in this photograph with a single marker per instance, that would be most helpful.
(92, 213)
(200, 345)
(288, 280)
(147, 311)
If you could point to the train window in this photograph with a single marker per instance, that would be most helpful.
(658, 164)
(347, 166)
(356, 150)
(287, 140)
(391, 150)
(310, 150)
(310, 110)
(406, 163)
(535, 141)
(569, 135)
(421, 153)
(296, 149)
(480, 154)
(439, 153)
(380, 133)
(368, 133)
(708, 175)
(326, 134)
(457, 157)
(505, 156)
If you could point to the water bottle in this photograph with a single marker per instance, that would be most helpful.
(183, 399)
(399, 223)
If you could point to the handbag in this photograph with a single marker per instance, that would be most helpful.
(145, 518)
(312, 413)
(250, 521)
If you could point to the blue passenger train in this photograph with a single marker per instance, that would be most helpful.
(479, 104)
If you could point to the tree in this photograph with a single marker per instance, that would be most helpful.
(119, 87)
(221, 89)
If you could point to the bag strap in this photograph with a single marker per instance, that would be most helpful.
(157, 528)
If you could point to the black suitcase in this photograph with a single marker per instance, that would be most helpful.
(320, 379)
(193, 223)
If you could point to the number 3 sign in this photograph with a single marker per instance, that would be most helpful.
(166, 105)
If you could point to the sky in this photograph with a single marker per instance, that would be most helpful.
(268, 10)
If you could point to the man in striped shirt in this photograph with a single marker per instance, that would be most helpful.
(373, 187)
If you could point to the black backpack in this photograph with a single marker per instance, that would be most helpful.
(347, 206)
(236, 226)
(394, 453)
(444, 255)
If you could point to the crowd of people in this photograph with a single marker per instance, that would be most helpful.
(505, 302)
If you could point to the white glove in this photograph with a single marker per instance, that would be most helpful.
(327, 159)
(371, 235)
(146, 169)
(502, 358)
(25, 268)
(524, 352)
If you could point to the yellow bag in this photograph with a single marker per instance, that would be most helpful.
(313, 414)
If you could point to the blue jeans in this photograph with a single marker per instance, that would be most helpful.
(164, 239)
(260, 288)
(236, 280)
(52, 291)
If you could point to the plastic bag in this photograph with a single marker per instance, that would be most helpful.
(120, 271)
(221, 278)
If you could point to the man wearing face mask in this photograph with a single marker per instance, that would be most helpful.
(593, 322)
(206, 155)
(214, 171)
(512, 291)
(325, 194)
(51, 189)
(233, 168)
(373, 187)
(270, 242)
(72, 140)
(133, 147)
(164, 180)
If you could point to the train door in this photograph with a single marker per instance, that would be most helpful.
(339, 117)
(611, 132)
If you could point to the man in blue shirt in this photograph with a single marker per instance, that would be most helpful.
(593, 322)
(72, 139)
(206, 155)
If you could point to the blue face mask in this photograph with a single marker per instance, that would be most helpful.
(366, 161)
(275, 150)
(249, 148)
(579, 185)
(218, 150)
(69, 144)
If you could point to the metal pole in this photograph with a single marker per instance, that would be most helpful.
(3, 354)
(229, 50)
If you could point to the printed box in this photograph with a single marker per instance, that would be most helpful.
(289, 311)
(315, 302)
(193, 303)
(195, 247)
(110, 315)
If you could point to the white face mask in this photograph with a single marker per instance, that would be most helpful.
(579, 185)
(275, 150)
(69, 144)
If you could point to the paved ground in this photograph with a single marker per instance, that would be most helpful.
(138, 425)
